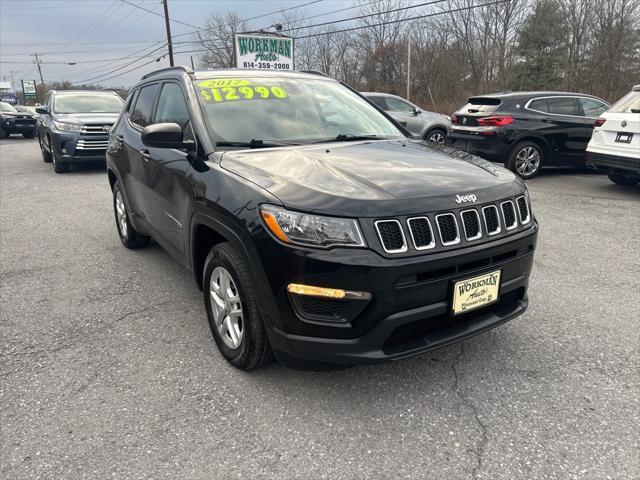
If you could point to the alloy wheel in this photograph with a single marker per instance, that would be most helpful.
(121, 214)
(226, 307)
(436, 137)
(527, 161)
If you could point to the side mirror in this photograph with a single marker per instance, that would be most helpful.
(416, 111)
(42, 110)
(164, 135)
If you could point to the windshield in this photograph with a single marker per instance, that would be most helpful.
(87, 103)
(6, 108)
(630, 103)
(259, 112)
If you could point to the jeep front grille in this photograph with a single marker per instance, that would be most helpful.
(509, 215)
(523, 210)
(448, 228)
(421, 233)
(391, 236)
(491, 220)
(457, 227)
(471, 224)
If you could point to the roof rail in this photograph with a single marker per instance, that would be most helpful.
(179, 67)
(314, 72)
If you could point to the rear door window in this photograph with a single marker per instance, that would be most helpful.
(539, 104)
(563, 106)
(593, 108)
(143, 108)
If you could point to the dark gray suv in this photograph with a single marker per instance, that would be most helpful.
(74, 126)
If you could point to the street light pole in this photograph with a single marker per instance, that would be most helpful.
(168, 27)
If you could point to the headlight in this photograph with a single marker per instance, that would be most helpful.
(70, 127)
(311, 230)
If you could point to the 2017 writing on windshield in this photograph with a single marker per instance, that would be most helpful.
(244, 92)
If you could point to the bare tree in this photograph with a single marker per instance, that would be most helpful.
(217, 39)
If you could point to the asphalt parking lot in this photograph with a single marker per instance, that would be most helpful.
(108, 368)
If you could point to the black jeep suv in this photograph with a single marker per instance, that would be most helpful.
(74, 126)
(526, 130)
(315, 227)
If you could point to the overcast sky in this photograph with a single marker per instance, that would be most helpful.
(88, 30)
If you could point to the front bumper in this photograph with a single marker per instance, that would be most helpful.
(410, 309)
(614, 164)
(18, 126)
(71, 147)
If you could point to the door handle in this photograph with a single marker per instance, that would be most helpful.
(145, 155)
(546, 120)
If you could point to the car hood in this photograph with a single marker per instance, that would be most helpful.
(87, 118)
(371, 178)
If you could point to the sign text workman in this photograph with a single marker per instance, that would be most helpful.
(263, 51)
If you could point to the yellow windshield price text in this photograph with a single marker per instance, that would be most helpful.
(237, 93)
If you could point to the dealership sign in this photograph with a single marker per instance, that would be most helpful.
(262, 51)
(29, 89)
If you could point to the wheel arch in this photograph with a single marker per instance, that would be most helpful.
(207, 231)
(431, 128)
(540, 141)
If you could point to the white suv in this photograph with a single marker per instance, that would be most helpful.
(615, 145)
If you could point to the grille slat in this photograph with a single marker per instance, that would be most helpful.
(391, 236)
(421, 233)
(523, 210)
(509, 215)
(448, 228)
(491, 219)
(471, 224)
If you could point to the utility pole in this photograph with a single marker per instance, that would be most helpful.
(12, 81)
(409, 65)
(39, 69)
(166, 23)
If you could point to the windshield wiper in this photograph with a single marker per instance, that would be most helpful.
(256, 143)
(350, 137)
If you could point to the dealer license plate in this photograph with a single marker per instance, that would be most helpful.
(624, 137)
(476, 292)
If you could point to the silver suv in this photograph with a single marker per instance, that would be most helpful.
(429, 126)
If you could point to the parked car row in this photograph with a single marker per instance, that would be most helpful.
(527, 131)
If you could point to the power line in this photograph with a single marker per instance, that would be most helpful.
(158, 14)
(359, 17)
(435, 14)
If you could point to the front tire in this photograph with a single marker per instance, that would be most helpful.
(46, 156)
(436, 135)
(622, 180)
(526, 160)
(58, 166)
(232, 309)
(129, 236)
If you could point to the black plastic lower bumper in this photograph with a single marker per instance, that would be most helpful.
(614, 164)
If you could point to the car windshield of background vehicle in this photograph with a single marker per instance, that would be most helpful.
(6, 108)
(87, 104)
(275, 111)
(630, 103)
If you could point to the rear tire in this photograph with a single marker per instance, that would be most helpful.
(232, 309)
(622, 180)
(526, 159)
(129, 236)
(46, 156)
